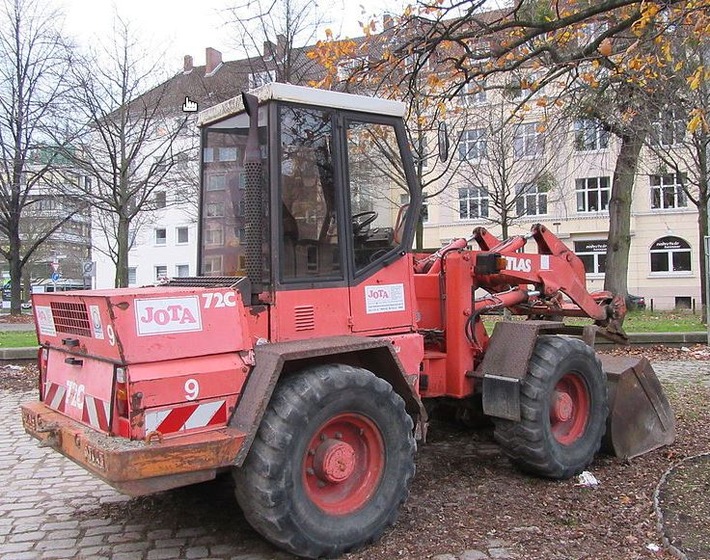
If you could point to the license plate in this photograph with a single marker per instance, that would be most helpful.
(95, 457)
(29, 420)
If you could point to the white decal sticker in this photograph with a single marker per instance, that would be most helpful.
(111, 335)
(192, 389)
(544, 262)
(218, 299)
(168, 315)
(96, 325)
(519, 265)
(45, 320)
(75, 395)
(384, 299)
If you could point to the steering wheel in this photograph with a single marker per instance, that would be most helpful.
(362, 221)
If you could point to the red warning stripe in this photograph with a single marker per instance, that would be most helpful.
(187, 417)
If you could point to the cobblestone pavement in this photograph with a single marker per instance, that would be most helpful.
(51, 508)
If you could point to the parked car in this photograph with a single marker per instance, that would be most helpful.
(635, 302)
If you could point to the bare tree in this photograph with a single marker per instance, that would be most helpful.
(133, 144)
(271, 34)
(33, 94)
(510, 162)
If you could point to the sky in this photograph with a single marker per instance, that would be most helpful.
(180, 27)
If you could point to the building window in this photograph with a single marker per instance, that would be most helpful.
(669, 129)
(161, 272)
(590, 134)
(215, 210)
(160, 236)
(160, 199)
(216, 182)
(531, 200)
(472, 144)
(227, 154)
(670, 254)
(593, 255)
(183, 236)
(214, 236)
(208, 155)
(182, 270)
(527, 141)
(593, 194)
(473, 203)
(212, 266)
(473, 94)
(667, 192)
(132, 276)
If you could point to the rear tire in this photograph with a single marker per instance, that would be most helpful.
(331, 462)
(563, 410)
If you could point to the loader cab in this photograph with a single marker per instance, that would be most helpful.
(326, 200)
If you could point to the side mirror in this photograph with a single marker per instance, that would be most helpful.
(443, 141)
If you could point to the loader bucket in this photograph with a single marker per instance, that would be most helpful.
(640, 417)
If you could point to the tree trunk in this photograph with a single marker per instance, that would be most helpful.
(121, 280)
(619, 242)
(15, 264)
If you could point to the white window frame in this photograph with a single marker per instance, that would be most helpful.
(669, 129)
(208, 267)
(596, 255)
(470, 198)
(472, 146)
(670, 254)
(474, 95)
(667, 188)
(210, 234)
(527, 140)
(178, 268)
(529, 198)
(158, 269)
(590, 136)
(160, 242)
(584, 190)
(132, 275)
(179, 229)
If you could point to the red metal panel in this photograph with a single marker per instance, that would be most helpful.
(385, 300)
(143, 325)
(187, 380)
(309, 313)
(80, 390)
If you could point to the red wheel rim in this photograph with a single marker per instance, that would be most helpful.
(343, 463)
(569, 409)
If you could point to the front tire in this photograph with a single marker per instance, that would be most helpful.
(563, 410)
(331, 462)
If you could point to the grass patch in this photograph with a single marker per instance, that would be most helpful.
(640, 321)
(18, 339)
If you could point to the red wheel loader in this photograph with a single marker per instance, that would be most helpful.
(306, 355)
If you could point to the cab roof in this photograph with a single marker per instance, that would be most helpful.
(306, 96)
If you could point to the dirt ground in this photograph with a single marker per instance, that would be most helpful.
(466, 493)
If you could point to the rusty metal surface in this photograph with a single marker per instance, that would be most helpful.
(640, 418)
(271, 360)
(134, 467)
(511, 346)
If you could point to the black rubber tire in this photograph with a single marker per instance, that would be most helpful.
(530, 444)
(270, 487)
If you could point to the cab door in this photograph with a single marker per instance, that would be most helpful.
(379, 226)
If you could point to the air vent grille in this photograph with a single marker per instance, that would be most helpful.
(71, 318)
(305, 318)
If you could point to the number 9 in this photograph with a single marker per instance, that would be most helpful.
(192, 389)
